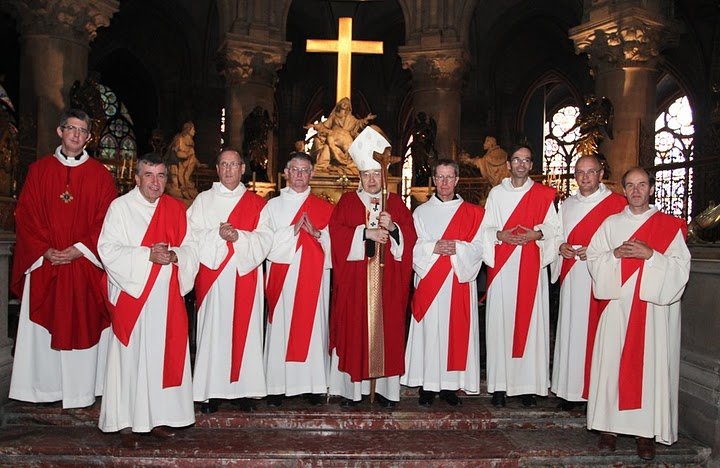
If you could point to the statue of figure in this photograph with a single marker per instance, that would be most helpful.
(493, 164)
(595, 123)
(423, 149)
(256, 127)
(334, 137)
(9, 149)
(182, 162)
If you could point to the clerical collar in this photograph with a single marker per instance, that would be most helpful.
(455, 197)
(76, 158)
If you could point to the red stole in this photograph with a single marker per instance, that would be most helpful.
(657, 232)
(463, 226)
(530, 211)
(312, 263)
(581, 234)
(245, 217)
(167, 225)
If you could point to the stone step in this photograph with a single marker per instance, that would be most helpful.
(202, 446)
(476, 413)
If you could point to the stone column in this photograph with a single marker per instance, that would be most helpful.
(7, 241)
(437, 75)
(623, 44)
(55, 38)
(250, 70)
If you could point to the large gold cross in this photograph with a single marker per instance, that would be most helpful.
(345, 47)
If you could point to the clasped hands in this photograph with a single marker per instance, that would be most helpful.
(567, 251)
(62, 257)
(519, 235)
(160, 254)
(444, 247)
(382, 233)
(633, 248)
(305, 224)
(228, 232)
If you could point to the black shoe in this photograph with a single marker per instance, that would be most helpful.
(450, 397)
(498, 399)
(348, 403)
(245, 404)
(566, 405)
(528, 400)
(314, 399)
(210, 406)
(426, 398)
(275, 401)
(384, 402)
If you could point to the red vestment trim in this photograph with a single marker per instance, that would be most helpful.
(462, 227)
(311, 268)
(244, 217)
(168, 225)
(657, 232)
(530, 211)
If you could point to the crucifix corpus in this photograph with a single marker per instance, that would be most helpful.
(344, 46)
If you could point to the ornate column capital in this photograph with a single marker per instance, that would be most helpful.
(76, 20)
(438, 67)
(632, 37)
(242, 59)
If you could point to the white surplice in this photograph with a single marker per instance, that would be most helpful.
(568, 373)
(426, 353)
(134, 395)
(663, 282)
(310, 376)
(213, 354)
(530, 373)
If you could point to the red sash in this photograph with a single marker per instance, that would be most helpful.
(312, 263)
(530, 211)
(245, 217)
(658, 233)
(463, 226)
(581, 234)
(167, 225)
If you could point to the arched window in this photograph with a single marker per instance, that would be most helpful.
(117, 139)
(559, 153)
(674, 146)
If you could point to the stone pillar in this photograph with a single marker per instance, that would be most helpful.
(7, 241)
(54, 53)
(437, 75)
(250, 70)
(623, 42)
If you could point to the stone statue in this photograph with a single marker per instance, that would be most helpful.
(255, 144)
(423, 149)
(334, 137)
(182, 162)
(492, 164)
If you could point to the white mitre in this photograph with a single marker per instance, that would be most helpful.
(361, 150)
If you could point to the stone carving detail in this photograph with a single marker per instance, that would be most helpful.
(77, 19)
(240, 64)
(444, 69)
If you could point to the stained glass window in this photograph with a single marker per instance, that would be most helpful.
(117, 139)
(674, 132)
(559, 153)
(407, 173)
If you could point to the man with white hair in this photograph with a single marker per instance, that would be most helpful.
(367, 330)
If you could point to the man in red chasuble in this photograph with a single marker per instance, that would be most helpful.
(63, 327)
(369, 299)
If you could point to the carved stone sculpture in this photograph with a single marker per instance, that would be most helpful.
(492, 165)
(182, 162)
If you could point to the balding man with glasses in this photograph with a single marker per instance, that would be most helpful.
(63, 328)
(520, 234)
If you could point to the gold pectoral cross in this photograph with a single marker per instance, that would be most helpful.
(345, 47)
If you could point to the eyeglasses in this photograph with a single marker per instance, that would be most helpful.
(73, 128)
(229, 165)
(589, 172)
(520, 161)
(368, 174)
(300, 170)
(443, 178)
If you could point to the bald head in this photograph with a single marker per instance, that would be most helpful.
(588, 174)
